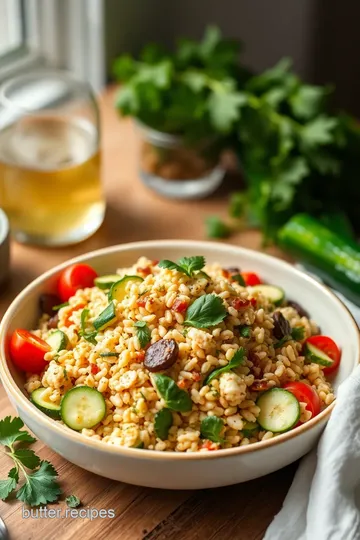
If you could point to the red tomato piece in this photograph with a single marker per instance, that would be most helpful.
(141, 302)
(251, 279)
(67, 321)
(329, 347)
(196, 376)
(180, 306)
(240, 303)
(76, 276)
(306, 394)
(27, 351)
(94, 369)
(145, 270)
(260, 385)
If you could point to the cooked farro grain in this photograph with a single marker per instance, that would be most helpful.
(131, 396)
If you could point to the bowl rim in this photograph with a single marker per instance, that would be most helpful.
(61, 430)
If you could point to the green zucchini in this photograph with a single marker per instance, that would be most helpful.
(317, 356)
(118, 289)
(335, 258)
(57, 340)
(105, 282)
(275, 294)
(82, 407)
(47, 407)
(106, 318)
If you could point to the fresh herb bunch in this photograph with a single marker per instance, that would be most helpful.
(191, 92)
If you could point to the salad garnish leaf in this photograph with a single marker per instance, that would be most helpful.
(297, 334)
(162, 423)
(207, 310)
(211, 428)
(175, 398)
(143, 333)
(73, 501)
(236, 361)
(89, 336)
(185, 265)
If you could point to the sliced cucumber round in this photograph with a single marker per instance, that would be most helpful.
(276, 295)
(82, 407)
(118, 289)
(106, 317)
(279, 410)
(105, 282)
(46, 406)
(313, 354)
(57, 340)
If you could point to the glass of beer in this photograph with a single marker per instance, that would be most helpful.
(50, 184)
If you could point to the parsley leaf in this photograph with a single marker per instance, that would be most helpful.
(175, 398)
(245, 331)
(163, 421)
(211, 428)
(143, 333)
(40, 486)
(10, 432)
(297, 333)
(27, 457)
(239, 279)
(89, 336)
(73, 501)
(185, 265)
(215, 228)
(235, 362)
(7, 486)
(207, 310)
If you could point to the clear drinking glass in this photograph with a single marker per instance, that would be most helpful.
(50, 185)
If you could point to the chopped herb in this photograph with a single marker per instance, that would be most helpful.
(211, 427)
(216, 228)
(162, 423)
(235, 362)
(297, 334)
(239, 279)
(40, 486)
(73, 501)
(143, 333)
(245, 331)
(185, 265)
(66, 377)
(59, 306)
(175, 398)
(89, 336)
(207, 310)
(142, 395)
(143, 292)
(109, 354)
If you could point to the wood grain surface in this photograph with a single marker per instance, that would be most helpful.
(134, 213)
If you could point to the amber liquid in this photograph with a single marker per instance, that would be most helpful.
(50, 184)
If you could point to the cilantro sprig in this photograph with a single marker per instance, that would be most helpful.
(40, 485)
(143, 333)
(297, 334)
(89, 336)
(207, 310)
(73, 501)
(236, 361)
(185, 265)
(211, 428)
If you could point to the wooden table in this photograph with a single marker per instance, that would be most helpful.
(135, 213)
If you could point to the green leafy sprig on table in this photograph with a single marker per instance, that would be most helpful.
(40, 485)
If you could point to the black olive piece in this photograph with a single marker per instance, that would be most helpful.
(301, 311)
(282, 326)
(161, 355)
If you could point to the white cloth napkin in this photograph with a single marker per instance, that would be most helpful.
(323, 502)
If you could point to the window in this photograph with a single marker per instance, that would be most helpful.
(64, 33)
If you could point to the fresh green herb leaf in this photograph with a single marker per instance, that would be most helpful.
(236, 361)
(40, 487)
(224, 106)
(207, 310)
(185, 265)
(66, 377)
(59, 306)
(250, 429)
(109, 354)
(297, 333)
(211, 428)
(89, 336)
(238, 204)
(245, 331)
(10, 432)
(27, 457)
(73, 501)
(162, 423)
(175, 398)
(143, 333)
(8, 486)
(215, 228)
(239, 279)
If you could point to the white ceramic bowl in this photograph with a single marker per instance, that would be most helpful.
(169, 469)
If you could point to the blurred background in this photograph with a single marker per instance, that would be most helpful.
(85, 36)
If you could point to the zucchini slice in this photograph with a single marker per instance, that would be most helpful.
(57, 340)
(313, 354)
(46, 406)
(106, 318)
(82, 407)
(279, 410)
(118, 289)
(276, 295)
(105, 282)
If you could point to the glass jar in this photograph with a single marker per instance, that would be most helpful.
(175, 169)
(50, 185)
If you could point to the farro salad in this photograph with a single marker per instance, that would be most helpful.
(175, 356)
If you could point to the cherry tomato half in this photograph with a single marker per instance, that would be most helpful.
(76, 276)
(329, 347)
(27, 351)
(251, 279)
(306, 394)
